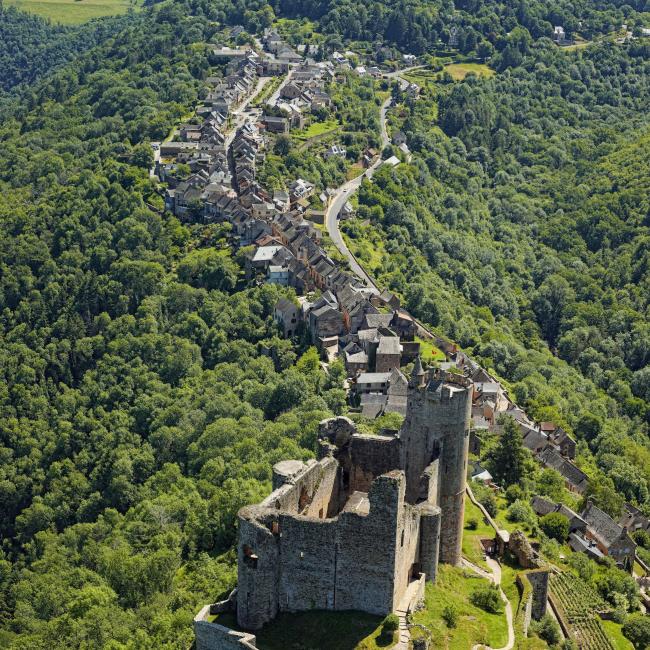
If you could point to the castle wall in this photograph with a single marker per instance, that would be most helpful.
(407, 545)
(365, 569)
(258, 568)
(308, 563)
(371, 456)
(210, 636)
(310, 489)
(437, 427)
(429, 540)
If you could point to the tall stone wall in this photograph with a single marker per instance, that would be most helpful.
(308, 559)
(291, 562)
(367, 549)
(437, 430)
(258, 568)
(429, 540)
(539, 583)
(370, 457)
(305, 488)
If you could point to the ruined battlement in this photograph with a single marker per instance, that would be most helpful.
(353, 528)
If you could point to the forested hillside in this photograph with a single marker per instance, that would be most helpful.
(137, 413)
(530, 245)
(32, 47)
(144, 392)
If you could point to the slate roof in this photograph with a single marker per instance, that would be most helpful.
(601, 525)
(389, 345)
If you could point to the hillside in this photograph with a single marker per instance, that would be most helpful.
(145, 391)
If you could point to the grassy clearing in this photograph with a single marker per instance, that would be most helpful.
(459, 71)
(317, 629)
(71, 12)
(454, 587)
(317, 129)
(614, 633)
(354, 170)
(429, 352)
(472, 548)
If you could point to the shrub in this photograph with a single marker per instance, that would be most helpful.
(637, 630)
(514, 493)
(520, 511)
(391, 623)
(450, 615)
(488, 599)
(548, 630)
(555, 526)
(472, 524)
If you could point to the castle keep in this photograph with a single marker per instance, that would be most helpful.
(353, 528)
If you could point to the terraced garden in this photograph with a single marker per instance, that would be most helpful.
(578, 603)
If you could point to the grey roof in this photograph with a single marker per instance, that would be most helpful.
(284, 304)
(373, 377)
(601, 525)
(573, 474)
(580, 544)
(542, 506)
(389, 345)
(378, 320)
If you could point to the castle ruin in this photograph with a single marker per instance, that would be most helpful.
(350, 530)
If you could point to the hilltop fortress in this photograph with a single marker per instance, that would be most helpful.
(351, 530)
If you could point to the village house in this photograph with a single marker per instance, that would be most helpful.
(286, 314)
(575, 479)
(276, 124)
(336, 150)
(388, 355)
(611, 539)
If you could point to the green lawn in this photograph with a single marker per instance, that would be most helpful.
(454, 587)
(472, 548)
(75, 11)
(460, 70)
(317, 629)
(429, 352)
(615, 635)
(316, 129)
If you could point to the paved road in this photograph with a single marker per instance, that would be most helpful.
(345, 191)
(240, 115)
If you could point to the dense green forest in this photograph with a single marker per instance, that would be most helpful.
(32, 47)
(144, 392)
(530, 245)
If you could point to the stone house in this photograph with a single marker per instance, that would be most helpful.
(388, 355)
(612, 540)
(633, 519)
(287, 314)
(276, 124)
(575, 479)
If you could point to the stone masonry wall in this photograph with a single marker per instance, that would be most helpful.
(437, 428)
(211, 636)
(371, 456)
(367, 550)
(311, 490)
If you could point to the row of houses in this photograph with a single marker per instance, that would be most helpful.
(203, 146)
(594, 532)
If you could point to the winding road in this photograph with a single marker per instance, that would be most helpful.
(345, 191)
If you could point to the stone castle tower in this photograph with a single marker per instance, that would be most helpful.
(434, 449)
(373, 514)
